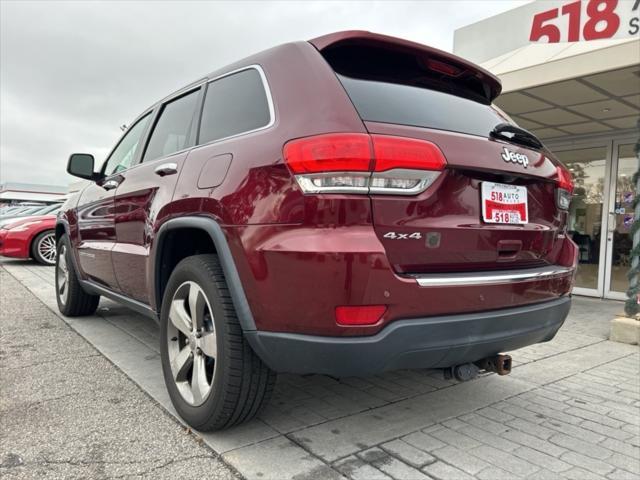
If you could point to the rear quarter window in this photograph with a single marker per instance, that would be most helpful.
(379, 101)
(234, 104)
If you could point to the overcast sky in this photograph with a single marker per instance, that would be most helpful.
(73, 72)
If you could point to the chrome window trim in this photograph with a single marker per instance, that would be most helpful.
(491, 278)
(267, 91)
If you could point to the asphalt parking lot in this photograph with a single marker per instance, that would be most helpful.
(97, 407)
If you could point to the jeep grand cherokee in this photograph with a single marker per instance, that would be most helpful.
(342, 206)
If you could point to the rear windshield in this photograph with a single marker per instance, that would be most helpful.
(378, 101)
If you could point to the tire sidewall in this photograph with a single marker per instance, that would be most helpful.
(190, 270)
(79, 302)
(35, 251)
(63, 241)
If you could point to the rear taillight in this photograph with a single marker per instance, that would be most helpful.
(336, 152)
(361, 163)
(564, 178)
(565, 188)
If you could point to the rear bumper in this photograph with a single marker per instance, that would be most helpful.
(295, 276)
(433, 342)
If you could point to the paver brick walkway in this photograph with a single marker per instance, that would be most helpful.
(569, 410)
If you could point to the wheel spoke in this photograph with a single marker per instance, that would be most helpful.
(196, 306)
(62, 263)
(47, 248)
(192, 366)
(180, 364)
(209, 345)
(199, 384)
(179, 317)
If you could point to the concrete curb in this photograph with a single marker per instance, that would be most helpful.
(625, 330)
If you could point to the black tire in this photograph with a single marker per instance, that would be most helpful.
(43, 248)
(72, 300)
(240, 383)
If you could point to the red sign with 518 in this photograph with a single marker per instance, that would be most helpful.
(586, 20)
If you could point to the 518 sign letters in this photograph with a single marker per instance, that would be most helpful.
(604, 19)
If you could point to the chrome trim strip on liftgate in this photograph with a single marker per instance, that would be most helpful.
(491, 278)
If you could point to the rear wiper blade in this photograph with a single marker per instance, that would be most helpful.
(518, 135)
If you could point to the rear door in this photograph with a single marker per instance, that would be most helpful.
(96, 219)
(492, 207)
(145, 190)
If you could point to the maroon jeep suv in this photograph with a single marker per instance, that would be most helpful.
(343, 206)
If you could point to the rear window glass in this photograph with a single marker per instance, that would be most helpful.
(396, 103)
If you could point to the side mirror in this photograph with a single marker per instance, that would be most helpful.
(81, 165)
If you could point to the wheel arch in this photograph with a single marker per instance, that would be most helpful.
(61, 229)
(198, 228)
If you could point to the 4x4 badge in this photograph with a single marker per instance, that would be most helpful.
(509, 156)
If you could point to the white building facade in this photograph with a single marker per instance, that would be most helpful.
(11, 193)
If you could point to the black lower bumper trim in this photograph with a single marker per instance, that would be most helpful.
(433, 342)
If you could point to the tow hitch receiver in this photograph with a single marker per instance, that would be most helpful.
(501, 364)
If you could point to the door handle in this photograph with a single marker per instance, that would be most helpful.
(110, 185)
(166, 169)
(613, 220)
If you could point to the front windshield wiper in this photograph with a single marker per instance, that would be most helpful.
(517, 135)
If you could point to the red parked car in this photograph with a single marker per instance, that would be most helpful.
(30, 237)
(342, 206)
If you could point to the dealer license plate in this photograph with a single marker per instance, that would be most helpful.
(504, 203)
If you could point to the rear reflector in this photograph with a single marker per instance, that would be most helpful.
(361, 163)
(359, 314)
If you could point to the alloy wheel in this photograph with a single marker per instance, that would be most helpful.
(62, 274)
(192, 343)
(47, 248)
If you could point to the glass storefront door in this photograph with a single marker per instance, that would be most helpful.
(601, 214)
(588, 166)
(619, 220)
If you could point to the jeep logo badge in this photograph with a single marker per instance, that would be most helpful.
(509, 156)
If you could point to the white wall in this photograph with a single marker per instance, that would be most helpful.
(511, 30)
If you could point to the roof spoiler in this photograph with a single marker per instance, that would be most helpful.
(437, 66)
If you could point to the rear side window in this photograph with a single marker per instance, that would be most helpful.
(234, 104)
(379, 101)
(171, 133)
